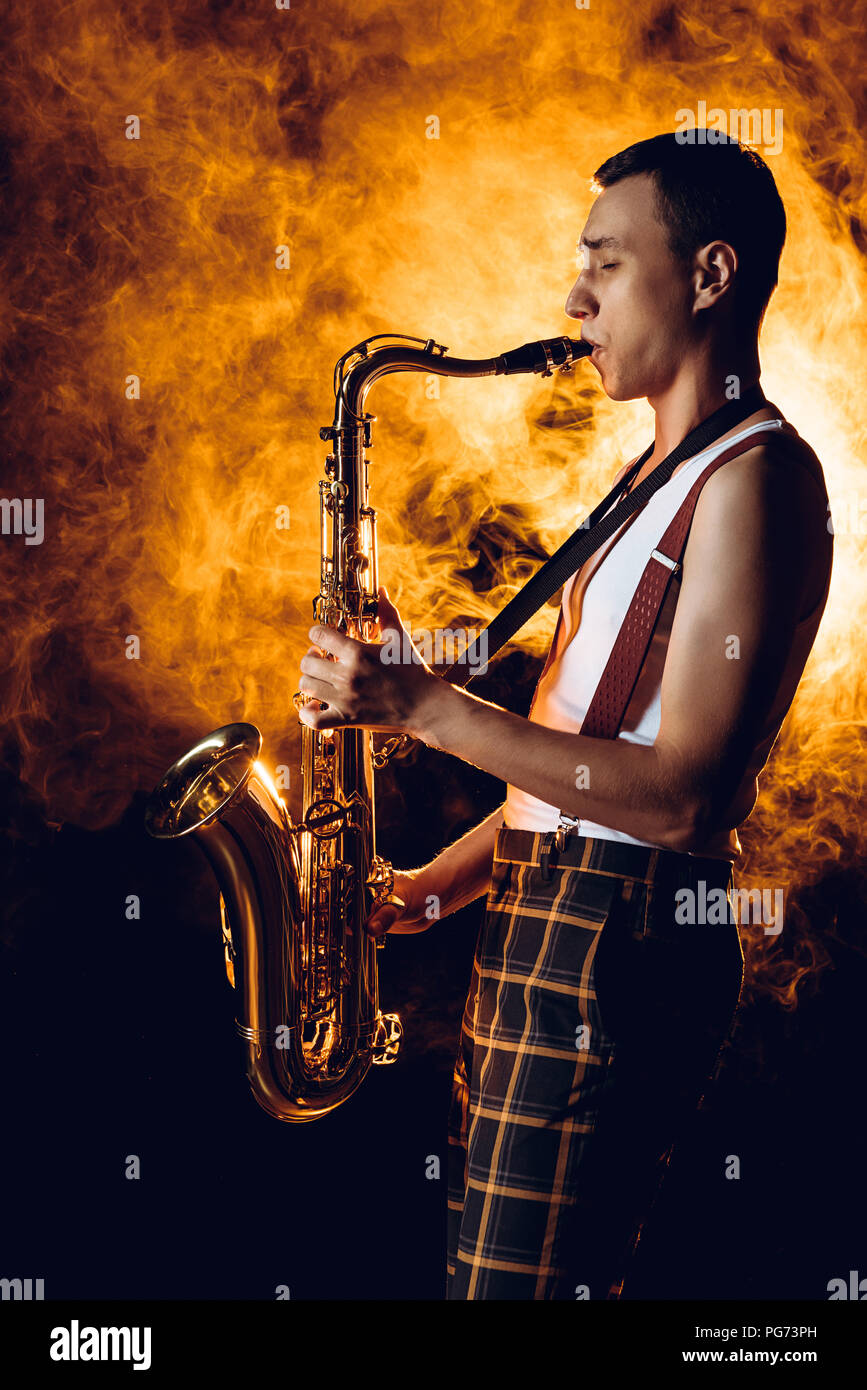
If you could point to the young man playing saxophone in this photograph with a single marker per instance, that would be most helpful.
(594, 1015)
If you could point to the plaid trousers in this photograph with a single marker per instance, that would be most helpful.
(594, 1018)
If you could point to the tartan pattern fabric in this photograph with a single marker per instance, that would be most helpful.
(567, 1097)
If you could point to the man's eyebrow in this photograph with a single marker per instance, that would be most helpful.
(601, 243)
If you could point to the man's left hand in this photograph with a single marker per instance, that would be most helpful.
(360, 687)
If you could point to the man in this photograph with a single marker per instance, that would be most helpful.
(595, 1016)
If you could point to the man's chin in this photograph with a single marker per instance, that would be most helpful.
(617, 390)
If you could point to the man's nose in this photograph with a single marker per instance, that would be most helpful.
(578, 304)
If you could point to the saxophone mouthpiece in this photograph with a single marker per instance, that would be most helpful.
(543, 356)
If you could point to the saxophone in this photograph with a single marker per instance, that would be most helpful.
(294, 897)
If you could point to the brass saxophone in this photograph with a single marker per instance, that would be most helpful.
(294, 897)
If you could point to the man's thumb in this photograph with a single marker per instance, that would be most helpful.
(386, 613)
(384, 917)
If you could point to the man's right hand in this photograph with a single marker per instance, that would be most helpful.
(388, 917)
(457, 876)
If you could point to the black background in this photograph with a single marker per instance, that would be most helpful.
(119, 1040)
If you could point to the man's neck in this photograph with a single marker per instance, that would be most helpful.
(700, 387)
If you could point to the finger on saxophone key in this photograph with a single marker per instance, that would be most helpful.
(384, 915)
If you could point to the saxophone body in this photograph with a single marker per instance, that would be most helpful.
(294, 896)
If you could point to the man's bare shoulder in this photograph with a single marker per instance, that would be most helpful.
(782, 457)
(791, 452)
(772, 497)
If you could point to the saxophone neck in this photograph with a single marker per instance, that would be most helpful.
(358, 369)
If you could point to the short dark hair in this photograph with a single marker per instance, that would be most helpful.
(708, 192)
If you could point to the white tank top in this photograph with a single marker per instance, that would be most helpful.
(593, 610)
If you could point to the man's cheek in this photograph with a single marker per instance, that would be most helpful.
(625, 308)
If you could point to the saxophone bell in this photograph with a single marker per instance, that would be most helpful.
(308, 1036)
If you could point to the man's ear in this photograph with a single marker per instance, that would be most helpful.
(714, 276)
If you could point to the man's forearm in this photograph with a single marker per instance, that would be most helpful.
(627, 786)
(462, 873)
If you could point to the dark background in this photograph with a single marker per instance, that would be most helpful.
(118, 1040)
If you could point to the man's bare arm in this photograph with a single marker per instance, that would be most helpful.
(462, 872)
(459, 875)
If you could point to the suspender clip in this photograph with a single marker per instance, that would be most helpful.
(565, 828)
(673, 565)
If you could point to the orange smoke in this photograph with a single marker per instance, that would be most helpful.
(157, 258)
